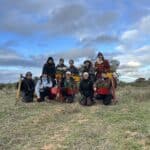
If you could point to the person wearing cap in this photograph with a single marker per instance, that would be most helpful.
(43, 88)
(27, 88)
(88, 67)
(101, 65)
(61, 68)
(49, 68)
(67, 87)
(86, 90)
(103, 88)
(72, 68)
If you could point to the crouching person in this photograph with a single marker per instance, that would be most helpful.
(86, 90)
(68, 87)
(43, 88)
(27, 88)
(103, 89)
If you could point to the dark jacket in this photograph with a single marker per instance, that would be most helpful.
(73, 70)
(49, 69)
(61, 66)
(86, 88)
(27, 86)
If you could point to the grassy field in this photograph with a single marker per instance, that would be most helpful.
(52, 126)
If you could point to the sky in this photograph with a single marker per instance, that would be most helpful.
(33, 30)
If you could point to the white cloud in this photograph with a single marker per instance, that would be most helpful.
(144, 25)
(144, 49)
(129, 35)
(134, 64)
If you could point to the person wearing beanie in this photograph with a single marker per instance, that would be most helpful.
(49, 68)
(27, 88)
(101, 65)
(86, 90)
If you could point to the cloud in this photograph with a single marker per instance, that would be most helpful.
(144, 49)
(144, 25)
(30, 18)
(9, 57)
(135, 50)
(7, 76)
(134, 61)
(134, 64)
(130, 35)
(105, 39)
(89, 23)
(139, 31)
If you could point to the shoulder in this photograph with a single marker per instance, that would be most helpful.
(45, 65)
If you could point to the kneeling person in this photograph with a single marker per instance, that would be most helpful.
(68, 88)
(27, 88)
(86, 90)
(103, 89)
(43, 88)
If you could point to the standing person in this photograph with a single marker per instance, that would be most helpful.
(88, 67)
(104, 89)
(86, 90)
(43, 88)
(101, 65)
(27, 88)
(68, 87)
(49, 68)
(60, 69)
(72, 68)
(74, 71)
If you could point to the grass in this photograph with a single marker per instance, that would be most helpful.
(56, 126)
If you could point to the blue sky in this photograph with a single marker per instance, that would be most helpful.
(33, 30)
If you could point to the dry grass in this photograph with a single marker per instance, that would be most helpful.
(54, 126)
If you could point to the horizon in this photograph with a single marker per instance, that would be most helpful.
(31, 31)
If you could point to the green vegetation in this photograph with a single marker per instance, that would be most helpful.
(52, 126)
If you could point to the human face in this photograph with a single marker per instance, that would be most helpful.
(50, 61)
(44, 75)
(100, 57)
(29, 76)
(71, 63)
(85, 76)
(61, 62)
(68, 75)
(87, 64)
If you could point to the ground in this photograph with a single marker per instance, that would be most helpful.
(57, 126)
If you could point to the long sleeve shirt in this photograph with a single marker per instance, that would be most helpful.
(41, 85)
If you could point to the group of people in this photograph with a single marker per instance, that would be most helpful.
(92, 81)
